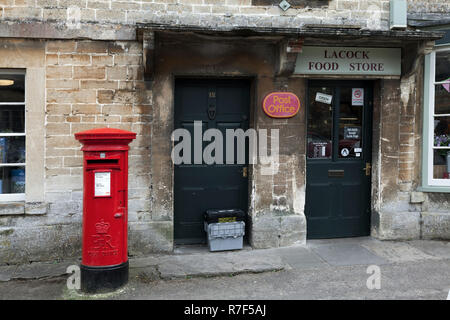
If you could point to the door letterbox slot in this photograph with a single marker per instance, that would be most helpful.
(336, 173)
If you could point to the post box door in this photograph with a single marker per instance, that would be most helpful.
(104, 221)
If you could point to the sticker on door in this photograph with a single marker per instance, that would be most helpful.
(357, 96)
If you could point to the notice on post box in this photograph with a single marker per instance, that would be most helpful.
(102, 184)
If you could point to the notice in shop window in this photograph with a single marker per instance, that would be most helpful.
(352, 133)
(357, 97)
(324, 98)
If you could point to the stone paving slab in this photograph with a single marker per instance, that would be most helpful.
(218, 263)
(439, 249)
(347, 254)
(397, 251)
(6, 272)
(42, 270)
(35, 270)
(356, 240)
(152, 260)
(299, 257)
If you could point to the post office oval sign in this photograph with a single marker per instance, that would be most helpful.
(281, 105)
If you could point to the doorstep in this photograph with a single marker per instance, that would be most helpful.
(198, 261)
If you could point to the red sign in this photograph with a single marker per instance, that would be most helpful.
(281, 104)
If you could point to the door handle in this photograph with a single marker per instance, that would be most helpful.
(118, 215)
(367, 168)
(244, 172)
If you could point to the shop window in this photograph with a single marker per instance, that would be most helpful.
(12, 135)
(437, 119)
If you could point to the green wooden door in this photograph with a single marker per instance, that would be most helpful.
(218, 104)
(338, 159)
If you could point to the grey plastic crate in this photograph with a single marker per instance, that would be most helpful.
(225, 235)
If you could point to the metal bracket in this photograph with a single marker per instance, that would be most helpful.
(284, 5)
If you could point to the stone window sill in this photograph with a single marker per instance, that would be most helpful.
(23, 208)
(434, 189)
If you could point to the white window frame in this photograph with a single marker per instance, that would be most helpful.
(428, 182)
(10, 197)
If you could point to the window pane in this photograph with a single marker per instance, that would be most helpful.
(12, 149)
(12, 87)
(441, 163)
(350, 124)
(443, 65)
(441, 156)
(442, 131)
(442, 98)
(320, 123)
(12, 118)
(12, 180)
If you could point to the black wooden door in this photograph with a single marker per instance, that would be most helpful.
(338, 159)
(218, 104)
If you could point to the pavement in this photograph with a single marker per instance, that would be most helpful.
(190, 262)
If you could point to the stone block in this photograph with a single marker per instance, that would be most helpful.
(61, 46)
(436, 225)
(124, 5)
(400, 225)
(102, 60)
(105, 96)
(92, 47)
(270, 231)
(89, 72)
(117, 73)
(74, 59)
(98, 4)
(71, 96)
(58, 128)
(417, 197)
(126, 60)
(293, 230)
(12, 208)
(117, 109)
(51, 59)
(40, 243)
(22, 13)
(36, 208)
(62, 84)
(145, 238)
(85, 109)
(58, 72)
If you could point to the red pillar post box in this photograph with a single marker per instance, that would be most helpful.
(104, 263)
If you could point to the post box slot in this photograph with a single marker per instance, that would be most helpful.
(103, 161)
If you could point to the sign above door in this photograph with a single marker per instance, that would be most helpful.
(349, 61)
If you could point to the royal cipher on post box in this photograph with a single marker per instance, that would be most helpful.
(104, 264)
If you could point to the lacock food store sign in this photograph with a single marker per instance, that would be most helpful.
(349, 61)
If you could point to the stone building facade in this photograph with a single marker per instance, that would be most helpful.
(91, 64)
